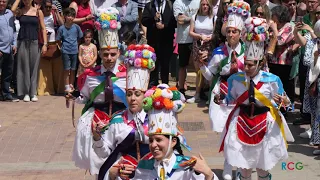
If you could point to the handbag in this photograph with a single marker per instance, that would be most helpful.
(53, 51)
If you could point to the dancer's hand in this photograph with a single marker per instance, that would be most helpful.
(202, 167)
(281, 99)
(123, 170)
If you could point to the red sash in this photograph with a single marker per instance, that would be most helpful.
(223, 87)
(251, 130)
(240, 100)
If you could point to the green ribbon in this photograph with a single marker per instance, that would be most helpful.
(98, 90)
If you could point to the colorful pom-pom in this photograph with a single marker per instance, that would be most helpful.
(167, 93)
(150, 64)
(168, 104)
(132, 54)
(148, 93)
(158, 103)
(139, 54)
(176, 95)
(144, 63)
(157, 93)
(147, 103)
(137, 62)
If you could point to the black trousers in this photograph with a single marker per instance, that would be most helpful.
(6, 66)
(164, 51)
(283, 71)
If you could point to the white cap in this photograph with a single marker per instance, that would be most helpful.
(140, 60)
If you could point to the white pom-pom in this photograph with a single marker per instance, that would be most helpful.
(167, 93)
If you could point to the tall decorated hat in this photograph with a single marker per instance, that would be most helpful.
(163, 103)
(140, 60)
(255, 36)
(108, 23)
(238, 12)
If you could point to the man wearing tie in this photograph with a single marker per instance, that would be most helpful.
(226, 60)
(102, 90)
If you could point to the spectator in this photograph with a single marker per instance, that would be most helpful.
(310, 102)
(261, 11)
(309, 19)
(84, 17)
(201, 30)
(141, 5)
(220, 27)
(87, 52)
(281, 62)
(8, 48)
(301, 9)
(69, 34)
(128, 10)
(58, 5)
(50, 68)
(31, 23)
(183, 11)
(292, 6)
(266, 2)
(159, 19)
(215, 7)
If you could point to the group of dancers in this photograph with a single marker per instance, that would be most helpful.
(127, 131)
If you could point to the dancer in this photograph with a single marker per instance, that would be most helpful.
(124, 139)
(166, 140)
(226, 60)
(102, 90)
(256, 132)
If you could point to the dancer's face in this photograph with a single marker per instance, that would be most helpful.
(233, 36)
(251, 68)
(134, 99)
(158, 145)
(109, 57)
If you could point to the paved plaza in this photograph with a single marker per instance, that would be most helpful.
(36, 141)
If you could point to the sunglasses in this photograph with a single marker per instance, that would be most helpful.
(48, 7)
(260, 13)
(318, 13)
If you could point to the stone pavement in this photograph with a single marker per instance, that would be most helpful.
(36, 141)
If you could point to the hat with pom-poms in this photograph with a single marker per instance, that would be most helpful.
(108, 23)
(237, 13)
(163, 103)
(255, 36)
(140, 60)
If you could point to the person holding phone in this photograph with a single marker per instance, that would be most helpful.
(201, 30)
(183, 11)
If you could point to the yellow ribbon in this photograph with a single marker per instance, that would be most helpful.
(273, 110)
(162, 174)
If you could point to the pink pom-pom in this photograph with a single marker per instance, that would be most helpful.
(149, 93)
(137, 62)
(113, 24)
(97, 25)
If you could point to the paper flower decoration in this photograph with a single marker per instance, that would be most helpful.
(140, 56)
(240, 8)
(256, 29)
(107, 19)
(163, 97)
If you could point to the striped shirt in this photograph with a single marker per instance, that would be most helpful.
(58, 5)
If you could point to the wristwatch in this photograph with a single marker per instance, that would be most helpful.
(45, 44)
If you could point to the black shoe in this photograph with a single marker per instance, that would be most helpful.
(301, 121)
(10, 98)
(183, 91)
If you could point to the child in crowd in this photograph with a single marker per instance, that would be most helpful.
(87, 52)
(69, 34)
